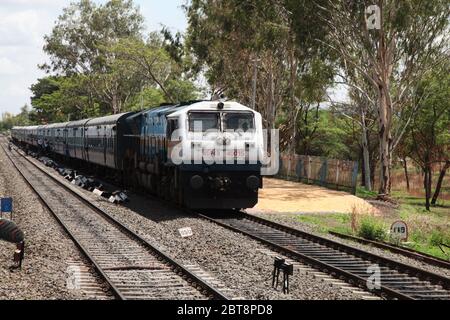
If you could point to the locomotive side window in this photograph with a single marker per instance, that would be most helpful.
(205, 121)
(171, 127)
(238, 121)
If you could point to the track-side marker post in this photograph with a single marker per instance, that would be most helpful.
(280, 264)
(6, 206)
(19, 255)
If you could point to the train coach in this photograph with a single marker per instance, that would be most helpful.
(201, 154)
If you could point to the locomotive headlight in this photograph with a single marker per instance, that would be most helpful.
(197, 182)
(253, 182)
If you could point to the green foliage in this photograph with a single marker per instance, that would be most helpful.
(80, 46)
(230, 40)
(78, 42)
(438, 238)
(330, 139)
(372, 229)
(182, 90)
(323, 134)
(147, 98)
(105, 65)
(8, 120)
(326, 222)
(365, 194)
(57, 99)
(427, 141)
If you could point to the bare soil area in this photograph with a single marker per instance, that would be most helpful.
(279, 196)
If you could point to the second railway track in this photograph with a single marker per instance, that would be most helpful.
(132, 271)
(397, 280)
(133, 268)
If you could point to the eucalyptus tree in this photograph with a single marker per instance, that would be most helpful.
(428, 142)
(79, 45)
(392, 44)
(265, 54)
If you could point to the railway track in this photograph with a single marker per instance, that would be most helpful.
(133, 268)
(407, 252)
(397, 280)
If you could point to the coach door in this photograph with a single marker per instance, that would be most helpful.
(105, 140)
(66, 142)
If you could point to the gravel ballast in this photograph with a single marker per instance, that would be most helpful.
(48, 249)
(233, 259)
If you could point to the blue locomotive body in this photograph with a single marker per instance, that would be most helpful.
(153, 150)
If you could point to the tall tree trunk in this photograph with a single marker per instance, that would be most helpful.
(271, 99)
(382, 71)
(293, 144)
(294, 107)
(366, 154)
(254, 82)
(427, 185)
(405, 167)
(363, 170)
(115, 104)
(385, 138)
(440, 181)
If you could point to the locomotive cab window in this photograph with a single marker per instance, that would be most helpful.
(204, 120)
(238, 121)
(172, 125)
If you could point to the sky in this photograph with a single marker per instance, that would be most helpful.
(23, 24)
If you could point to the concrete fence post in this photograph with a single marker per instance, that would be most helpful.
(308, 172)
(355, 177)
(337, 174)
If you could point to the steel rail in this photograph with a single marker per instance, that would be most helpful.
(326, 265)
(410, 253)
(177, 266)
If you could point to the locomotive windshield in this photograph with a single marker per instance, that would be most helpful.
(202, 121)
(238, 121)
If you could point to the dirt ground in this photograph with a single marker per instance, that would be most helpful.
(279, 196)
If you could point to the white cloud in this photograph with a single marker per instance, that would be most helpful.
(8, 67)
(20, 28)
(23, 24)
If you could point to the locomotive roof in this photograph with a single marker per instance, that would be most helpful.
(175, 110)
(108, 119)
(211, 106)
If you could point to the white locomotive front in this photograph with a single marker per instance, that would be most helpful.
(218, 150)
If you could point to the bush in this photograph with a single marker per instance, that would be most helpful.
(438, 238)
(371, 229)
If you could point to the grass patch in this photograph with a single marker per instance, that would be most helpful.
(361, 192)
(339, 222)
(427, 230)
(371, 228)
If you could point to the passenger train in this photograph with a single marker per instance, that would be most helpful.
(200, 154)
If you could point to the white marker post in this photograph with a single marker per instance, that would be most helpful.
(399, 231)
(185, 232)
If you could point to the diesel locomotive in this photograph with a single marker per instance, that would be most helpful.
(201, 154)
